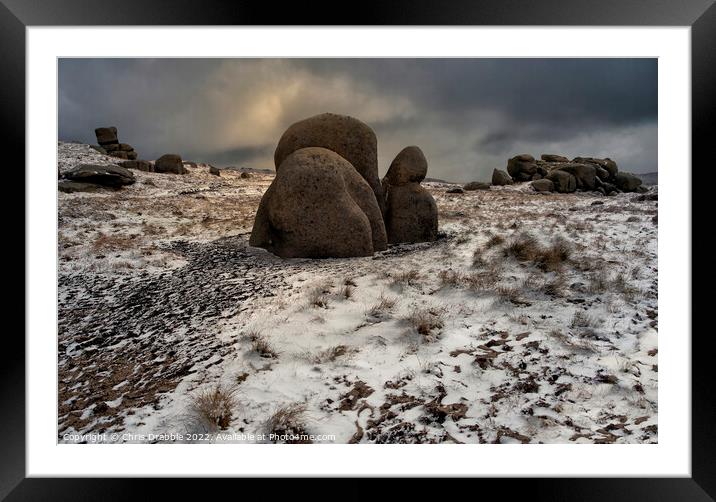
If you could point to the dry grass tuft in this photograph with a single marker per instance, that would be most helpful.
(384, 305)
(331, 354)
(426, 320)
(572, 342)
(409, 277)
(260, 345)
(287, 424)
(214, 407)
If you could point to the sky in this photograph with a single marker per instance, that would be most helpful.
(467, 115)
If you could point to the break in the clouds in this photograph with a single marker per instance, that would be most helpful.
(468, 115)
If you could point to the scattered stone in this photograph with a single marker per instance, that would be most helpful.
(215, 171)
(140, 165)
(476, 185)
(68, 186)
(455, 190)
(169, 163)
(246, 175)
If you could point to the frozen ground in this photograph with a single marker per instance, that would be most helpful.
(532, 319)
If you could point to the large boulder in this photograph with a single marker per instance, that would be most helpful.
(169, 163)
(543, 185)
(140, 165)
(347, 136)
(316, 208)
(108, 176)
(627, 182)
(476, 185)
(522, 167)
(106, 135)
(584, 174)
(411, 213)
(550, 157)
(563, 181)
(500, 177)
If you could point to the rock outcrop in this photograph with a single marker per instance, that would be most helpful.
(316, 208)
(411, 214)
(563, 181)
(543, 185)
(550, 157)
(108, 141)
(347, 136)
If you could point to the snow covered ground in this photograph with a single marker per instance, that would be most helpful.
(532, 319)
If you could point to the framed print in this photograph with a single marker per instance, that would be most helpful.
(264, 245)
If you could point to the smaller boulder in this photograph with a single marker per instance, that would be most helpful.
(246, 175)
(106, 135)
(543, 185)
(110, 176)
(563, 181)
(169, 163)
(409, 166)
(120, 155)
(627, 182)
(125, 147)
(500, 178)
(522, 167)
(214, 170)
(455, 190)
(476, 185)
(67, 186)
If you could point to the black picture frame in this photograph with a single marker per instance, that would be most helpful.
(700, 15)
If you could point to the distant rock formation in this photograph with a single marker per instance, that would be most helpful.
(108, 141)
(580, 173)
(411, 214)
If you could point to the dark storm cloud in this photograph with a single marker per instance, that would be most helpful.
(468, 115)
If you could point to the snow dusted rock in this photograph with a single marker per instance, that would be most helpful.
(310, 209)
(543, 185)
(500, 178)
(169, 163)
(411, 214)
(550, 157)
(106, 135)
(347, 136)
(563, 181)
(522, 167)
(409, 166)
(476, 185)
(109, 176)
(627, 182)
